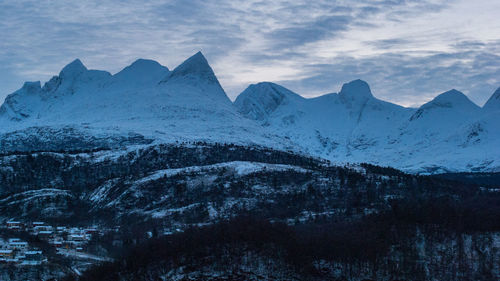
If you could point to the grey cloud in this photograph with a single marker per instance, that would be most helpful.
(309, 32)
(39, 37)
(401, 78)
(388, 43)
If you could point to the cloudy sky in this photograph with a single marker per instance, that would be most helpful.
(408, 51)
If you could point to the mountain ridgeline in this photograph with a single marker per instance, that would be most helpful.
(449, 133)
(180, 183)
(147, 100)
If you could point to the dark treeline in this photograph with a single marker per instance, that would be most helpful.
(351, 244)
(328, 223)
(483, 179)
(322, 190)
(65, 140)
(38, 170)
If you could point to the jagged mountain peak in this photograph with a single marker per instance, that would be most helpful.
(73, 69)
(186, 107)
(192, 79)
(355, 90)
(72, 76)
(195, 66)
(259, 100)
(452, 99)
(496, 94)
(493, 102)
(13, 107)
(32, 87)
(450, 95)
(272, 89)
(141, 70)
(350, 126)
(450, 102)
(145, 65)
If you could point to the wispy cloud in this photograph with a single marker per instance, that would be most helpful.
(410, 79)
(408, 50)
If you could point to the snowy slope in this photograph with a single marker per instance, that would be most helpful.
(493, 103)
(332, 125)
(449, 133)
(187, 103)
(436, 120)
(147, 103)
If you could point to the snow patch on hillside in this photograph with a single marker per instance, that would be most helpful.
(241, 168)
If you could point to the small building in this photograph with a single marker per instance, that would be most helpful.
(91, 231)
(39, 228)
(45, 234)
(77, 238)
(75, 230)
(37, 223)
(18, 245)
(31, 262)
(6, 254)
(61, 229)
(57, 244)
(14, 225)
(12, 260)
(34, 256)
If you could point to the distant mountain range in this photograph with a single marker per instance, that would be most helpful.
(146, 103)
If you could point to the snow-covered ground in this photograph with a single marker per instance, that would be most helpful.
(82, 255)
(146, 102)
(185, 104)
(449, 133)
(32, 195)
(241, 168)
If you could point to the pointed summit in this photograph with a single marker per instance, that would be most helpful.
(493, 103)
(32, 87)
(195, 66)
(451, 102)
(355, 90)
(145, 65)
(452, 99)
(142, 70)
(73, 69)
(258, 101)
(195, 80)
(451, 95)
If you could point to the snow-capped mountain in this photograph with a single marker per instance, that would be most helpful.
(82, 109)
(449, 133)
(331, 125)
(436, 120)
(145, 98)
(493, 103)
